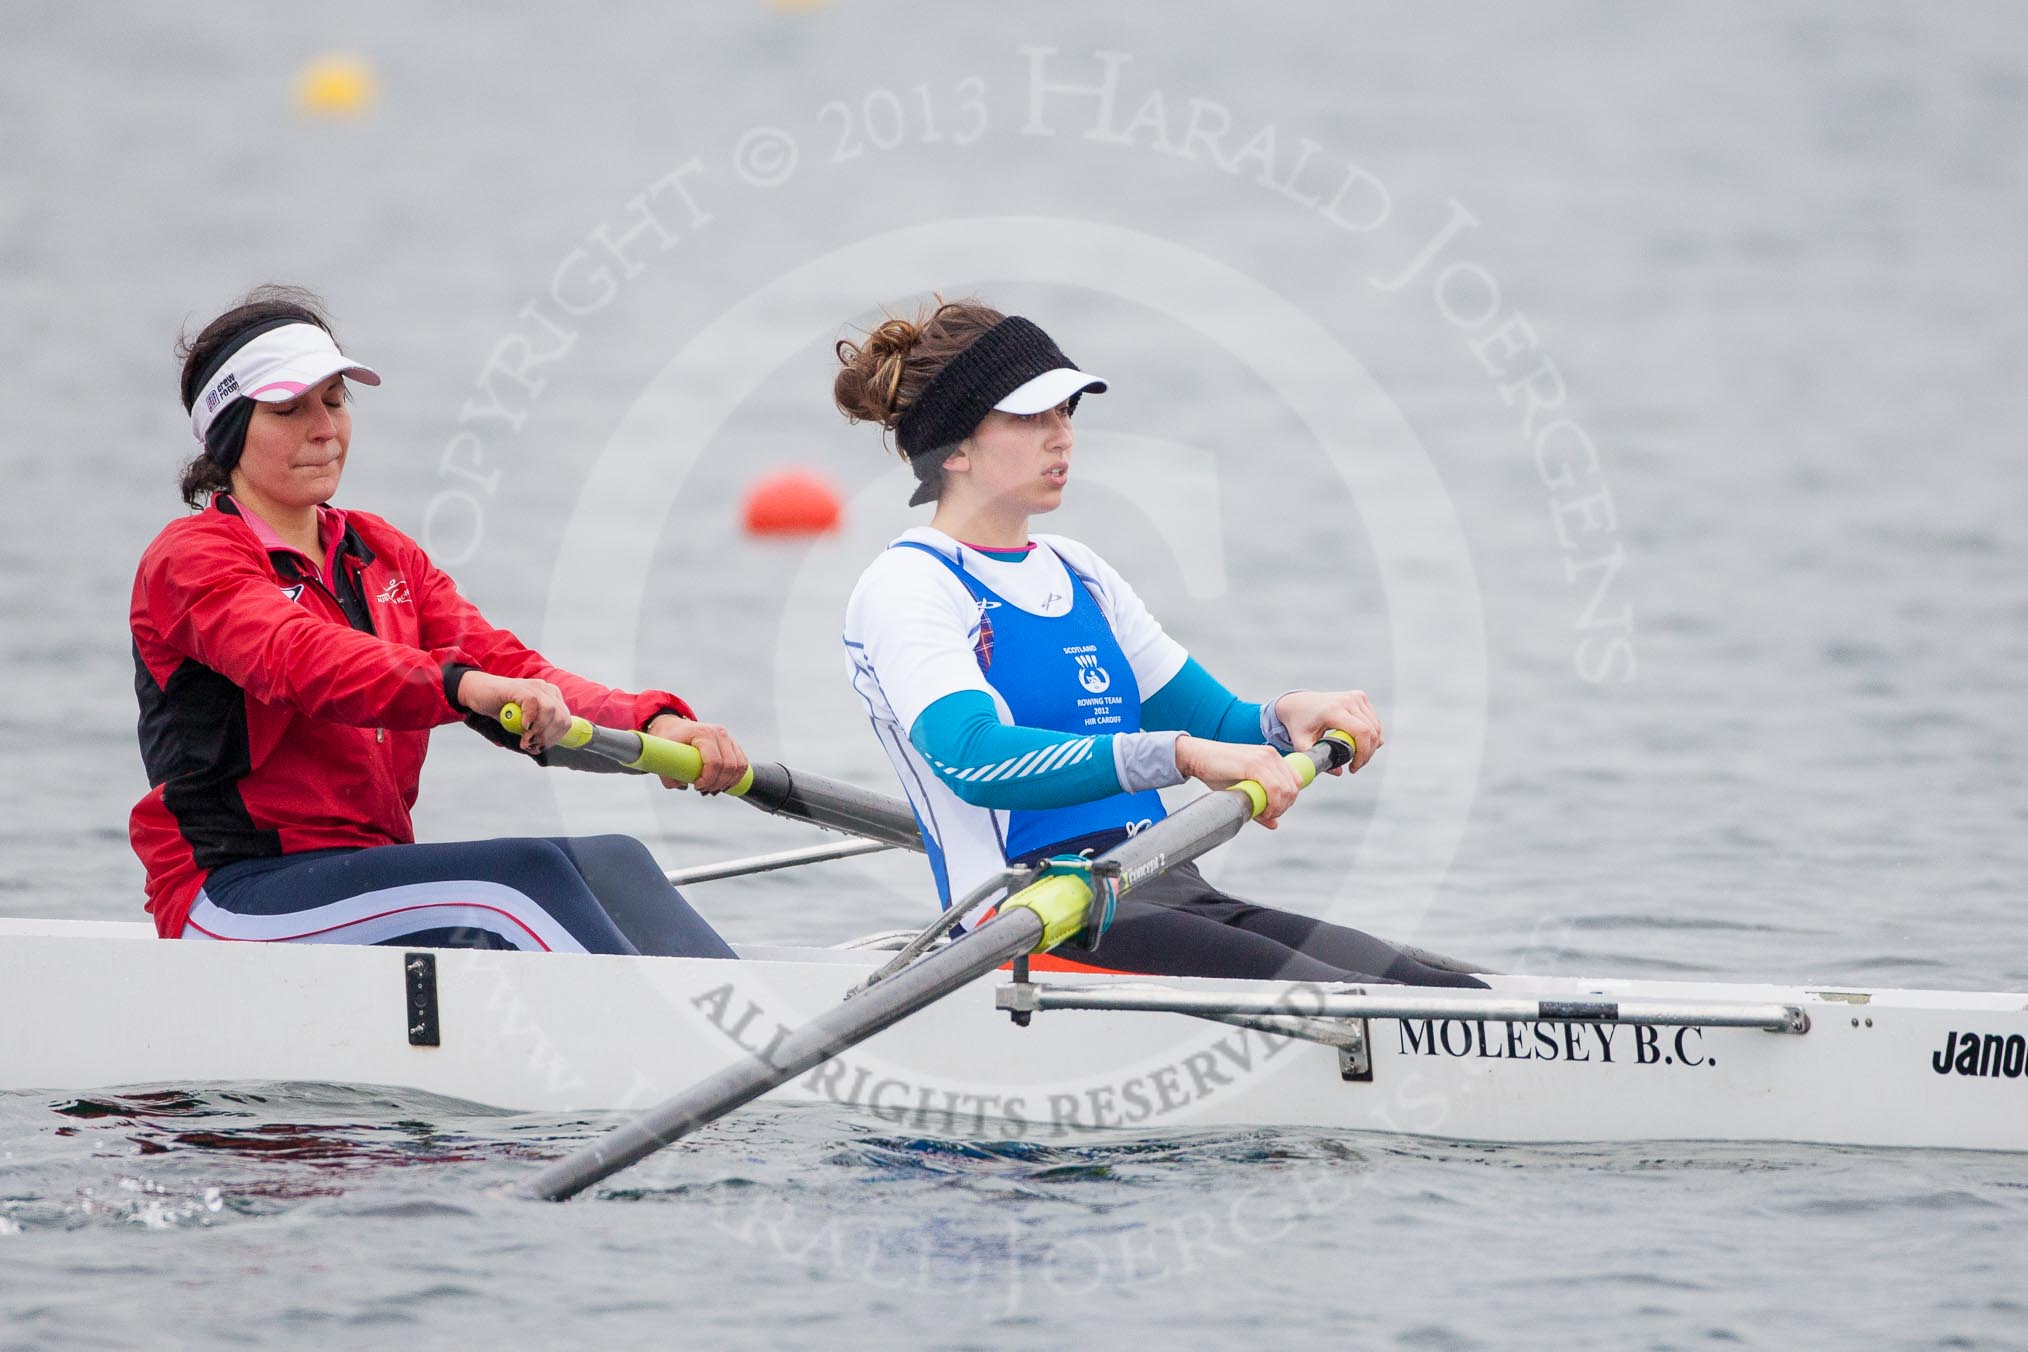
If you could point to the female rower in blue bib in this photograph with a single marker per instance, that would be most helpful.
(1031, 705)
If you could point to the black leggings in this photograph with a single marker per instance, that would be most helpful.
(1178, 924)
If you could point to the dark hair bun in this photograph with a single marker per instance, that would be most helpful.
(880, 377)
(868, 387)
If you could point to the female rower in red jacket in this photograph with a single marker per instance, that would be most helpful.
(291, 658)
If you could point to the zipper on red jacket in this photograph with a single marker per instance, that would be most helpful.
(362, 620)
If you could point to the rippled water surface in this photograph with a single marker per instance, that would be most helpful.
(1737, 700)
(341, 1213)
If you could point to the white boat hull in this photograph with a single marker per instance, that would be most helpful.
(92, 1006)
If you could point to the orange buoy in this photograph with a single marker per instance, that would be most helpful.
(792, 502)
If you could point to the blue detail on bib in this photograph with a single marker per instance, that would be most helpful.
(1066, 674)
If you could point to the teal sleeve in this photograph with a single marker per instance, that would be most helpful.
(992, 764)
(1193, 701)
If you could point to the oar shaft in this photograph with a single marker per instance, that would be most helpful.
(1037, 918)
(997, 941)
(804, 797)
(774, 789)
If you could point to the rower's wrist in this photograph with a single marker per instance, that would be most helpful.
(1147, 760)
(457, 676)
(1274, 728)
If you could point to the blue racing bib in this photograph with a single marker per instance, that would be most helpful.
(1063, 673)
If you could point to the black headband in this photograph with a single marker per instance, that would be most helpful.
(999, 361)
(226, 439)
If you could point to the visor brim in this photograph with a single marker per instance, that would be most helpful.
(1049, 389)
(286, 384)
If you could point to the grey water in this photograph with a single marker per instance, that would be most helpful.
(1630, 398)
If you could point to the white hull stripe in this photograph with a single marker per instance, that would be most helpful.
(389, 913)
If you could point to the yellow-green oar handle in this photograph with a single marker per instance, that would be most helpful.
(1305, 767)
(634, 750)
(579, 734)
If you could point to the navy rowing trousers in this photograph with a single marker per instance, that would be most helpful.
(586, 894)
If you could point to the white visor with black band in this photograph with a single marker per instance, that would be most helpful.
(274, 367)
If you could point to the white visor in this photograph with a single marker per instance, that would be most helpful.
(277, 365)
(1049, 389)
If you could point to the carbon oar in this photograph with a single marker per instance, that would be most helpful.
(774, 789)
(1034, 920)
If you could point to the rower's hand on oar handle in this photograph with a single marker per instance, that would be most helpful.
(544, 717)
(723, 761)
(1309, 714)
(1220, 765)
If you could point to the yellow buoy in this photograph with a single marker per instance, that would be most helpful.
(335, 85)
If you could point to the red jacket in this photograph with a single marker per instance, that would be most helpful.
(281, 714)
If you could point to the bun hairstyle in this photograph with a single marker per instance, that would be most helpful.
(881, 376)
(264, 305)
